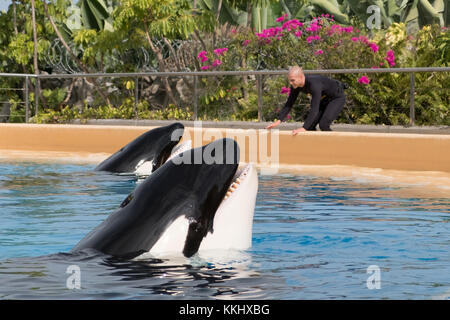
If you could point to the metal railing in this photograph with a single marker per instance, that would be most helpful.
(196, 74)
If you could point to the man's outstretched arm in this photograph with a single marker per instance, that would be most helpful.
(286, 109)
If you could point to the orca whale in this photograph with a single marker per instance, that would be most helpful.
(146, 153)
(196, 200)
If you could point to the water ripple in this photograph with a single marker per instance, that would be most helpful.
(313, 238)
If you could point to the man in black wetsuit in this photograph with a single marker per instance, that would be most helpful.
(327, 99)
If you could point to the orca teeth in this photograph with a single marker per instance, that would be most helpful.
(237, 181)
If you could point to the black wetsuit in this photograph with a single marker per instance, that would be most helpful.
(327, 100)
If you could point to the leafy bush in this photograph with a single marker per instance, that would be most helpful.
(375, 98)
(125, 111)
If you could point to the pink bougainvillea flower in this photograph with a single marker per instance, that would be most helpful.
(245, 43)
(364, 80)
(320, 51)
(285, 90)
(364, 39)
(266, 34)
(287, 26)
(390, 58)
(348, 29)
(313, 27)
(216, 63)
(335, 28)
(295, 23)
(205, 67)
(202, 55)
(354, 39)
(298, 33)
(282, 18)
(374, 47)
(220, 51)
(311, 38)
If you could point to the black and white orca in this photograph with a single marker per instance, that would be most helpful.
(198, 200)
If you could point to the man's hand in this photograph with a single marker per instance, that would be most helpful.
(272, 125)
(294, 132)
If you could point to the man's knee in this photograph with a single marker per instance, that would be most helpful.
(324, 124)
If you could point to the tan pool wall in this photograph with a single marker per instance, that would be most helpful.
(419, 152)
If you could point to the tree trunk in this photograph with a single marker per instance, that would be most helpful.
(162, 66)
(72, 55)
(14, 16)
(35, 55)
(249, 15)
(219, 8)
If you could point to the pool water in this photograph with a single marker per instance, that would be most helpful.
(313, 238)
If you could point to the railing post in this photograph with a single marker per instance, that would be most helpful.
(136, 97)
(259, 85)
(195, 97)
(27, 107)
(411, 99)
(36, 97)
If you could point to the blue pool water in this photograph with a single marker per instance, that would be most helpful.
(313, 238)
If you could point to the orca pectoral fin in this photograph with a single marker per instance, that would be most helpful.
(195, 235)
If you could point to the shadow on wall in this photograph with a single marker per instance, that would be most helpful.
(5, 110)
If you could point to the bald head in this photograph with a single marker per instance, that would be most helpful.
(295, 70)
(296, 77)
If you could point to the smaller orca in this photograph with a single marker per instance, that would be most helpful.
(146, 153)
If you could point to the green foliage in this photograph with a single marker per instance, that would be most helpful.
(17, 111)
(124, 111)
(172, 19)
(107, 34)
(16, 42)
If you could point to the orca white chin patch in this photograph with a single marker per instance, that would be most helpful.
(173, 239)
(144, 168)
(233, 221)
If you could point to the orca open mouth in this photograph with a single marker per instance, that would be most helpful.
(238, 179)
(144, 168)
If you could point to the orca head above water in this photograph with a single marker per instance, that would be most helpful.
(182, 206)
(146, 153)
